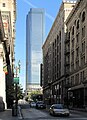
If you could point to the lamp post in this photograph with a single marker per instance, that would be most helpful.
(16, 81)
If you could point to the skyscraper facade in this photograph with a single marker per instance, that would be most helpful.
(35, 29)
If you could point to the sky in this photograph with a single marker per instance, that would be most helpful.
(23, 7)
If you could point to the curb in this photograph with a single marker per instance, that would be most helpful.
(78, 110)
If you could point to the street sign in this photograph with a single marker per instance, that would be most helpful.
(16, 80)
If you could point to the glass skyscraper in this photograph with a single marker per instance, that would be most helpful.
(35, 29)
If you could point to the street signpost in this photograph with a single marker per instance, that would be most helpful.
(16, 80)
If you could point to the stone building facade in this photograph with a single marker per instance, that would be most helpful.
(76, 55)
(8, 16)
(53, 57)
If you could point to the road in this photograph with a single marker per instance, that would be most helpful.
(35, 114)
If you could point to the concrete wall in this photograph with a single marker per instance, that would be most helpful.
(2, 80)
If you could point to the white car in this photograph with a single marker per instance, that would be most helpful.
(58, 109)
(32, 104)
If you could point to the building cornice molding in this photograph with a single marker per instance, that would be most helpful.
(74, 10)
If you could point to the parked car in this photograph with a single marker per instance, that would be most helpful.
(32, 104)
(40, 104)
(58, 109)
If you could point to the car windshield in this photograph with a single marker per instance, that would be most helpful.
(58, 106)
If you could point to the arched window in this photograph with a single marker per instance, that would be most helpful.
(83, 16)
(69, 35)
(60, 35)
(73, 30)
(77, 24)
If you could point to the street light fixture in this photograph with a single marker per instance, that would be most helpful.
(19, 64)
(16, 81)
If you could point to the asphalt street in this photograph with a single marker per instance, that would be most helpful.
(43, 114)
(34, 114)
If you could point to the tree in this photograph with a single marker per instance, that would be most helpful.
(36, 95)
(19, 92)
(11, 92)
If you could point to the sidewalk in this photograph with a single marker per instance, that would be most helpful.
(79, 109)
(7, 115)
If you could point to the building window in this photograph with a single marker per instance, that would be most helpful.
(77, 79)
(83, 47)
(60, 35)
(55, 42)
(73, 43)
(57, 49)
(53, 46)
(82, 75)
(77, 24)
(77, 52)
(3, 4)
(73, 57)
(83, 16)
(83, 32)
(83, 61)
(69, 36)
(73, 30)
(72, 67)
(77, 38)
(72, 80)
(77, 64)
(57, 39)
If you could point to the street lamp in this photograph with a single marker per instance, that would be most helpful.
(16, 81)
(19, 64)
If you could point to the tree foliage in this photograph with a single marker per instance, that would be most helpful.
(33, 95)
(11, 92)
(19, 92)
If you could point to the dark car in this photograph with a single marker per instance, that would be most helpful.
(40, 104)
(32, 104)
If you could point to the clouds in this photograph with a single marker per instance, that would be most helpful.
(33, 6)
